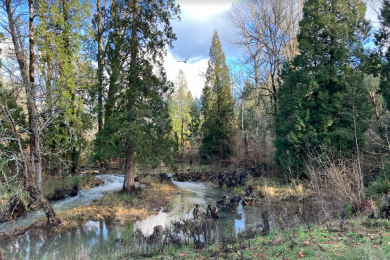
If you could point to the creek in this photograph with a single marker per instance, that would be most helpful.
(99, 238)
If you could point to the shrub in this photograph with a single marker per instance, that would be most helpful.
(382, 182)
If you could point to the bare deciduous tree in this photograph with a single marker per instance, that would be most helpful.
(267, 32)
(13, 25)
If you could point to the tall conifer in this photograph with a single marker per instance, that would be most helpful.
(322, 94)
(138, 127)
(217, 106)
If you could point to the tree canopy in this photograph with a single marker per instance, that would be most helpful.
(217, 106)
(322, 101)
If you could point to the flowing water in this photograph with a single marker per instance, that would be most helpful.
(99, 237)
(85, 197)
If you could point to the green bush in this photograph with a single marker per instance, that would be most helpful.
(349, 211)
(76, 180)
(382, 182)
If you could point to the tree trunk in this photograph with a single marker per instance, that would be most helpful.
(51, 216)
(128, 184)
(242, 114)
(28, 83)
(182, 137)
(32, 88)
(100, 65)
(373, 102)
(34, 132)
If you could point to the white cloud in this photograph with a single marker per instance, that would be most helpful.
(191, 70)
(373, 7)
(203, 9)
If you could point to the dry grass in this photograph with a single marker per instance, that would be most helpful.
(294, 191)
(122, 208)
(274, 189)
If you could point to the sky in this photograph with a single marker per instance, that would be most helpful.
(199, 19)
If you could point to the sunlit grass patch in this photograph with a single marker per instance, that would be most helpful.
(122, 208)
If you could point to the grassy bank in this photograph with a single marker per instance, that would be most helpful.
(277, 189)
(122, 208)
(346, 239)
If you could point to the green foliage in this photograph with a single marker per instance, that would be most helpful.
(349, 211)
(218, 127)
(137, 115)
(195, 125)
(60, 31)
(322, 98)
(180, 103)
(76, 180)
(381, 184)
(382, 42)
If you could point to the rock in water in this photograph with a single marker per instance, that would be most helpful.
(212, 212)
(223, 203)
(74, 191)
(164, 177)
(59, 194)
(229, 203)
(15, 208)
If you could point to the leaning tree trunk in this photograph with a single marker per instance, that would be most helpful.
(52, 219)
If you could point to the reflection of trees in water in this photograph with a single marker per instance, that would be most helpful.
(37, 244)
(101, 233)
(282, 214)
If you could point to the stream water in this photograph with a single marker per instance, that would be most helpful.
(99, 237)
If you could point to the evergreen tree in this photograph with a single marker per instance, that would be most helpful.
(322, 99)
(382, 41)
(179, 106)
(194, 125)
(60, 33)
(138, 127)
(217, 106)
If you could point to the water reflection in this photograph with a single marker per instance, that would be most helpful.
(99, 237)
(37, 244)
